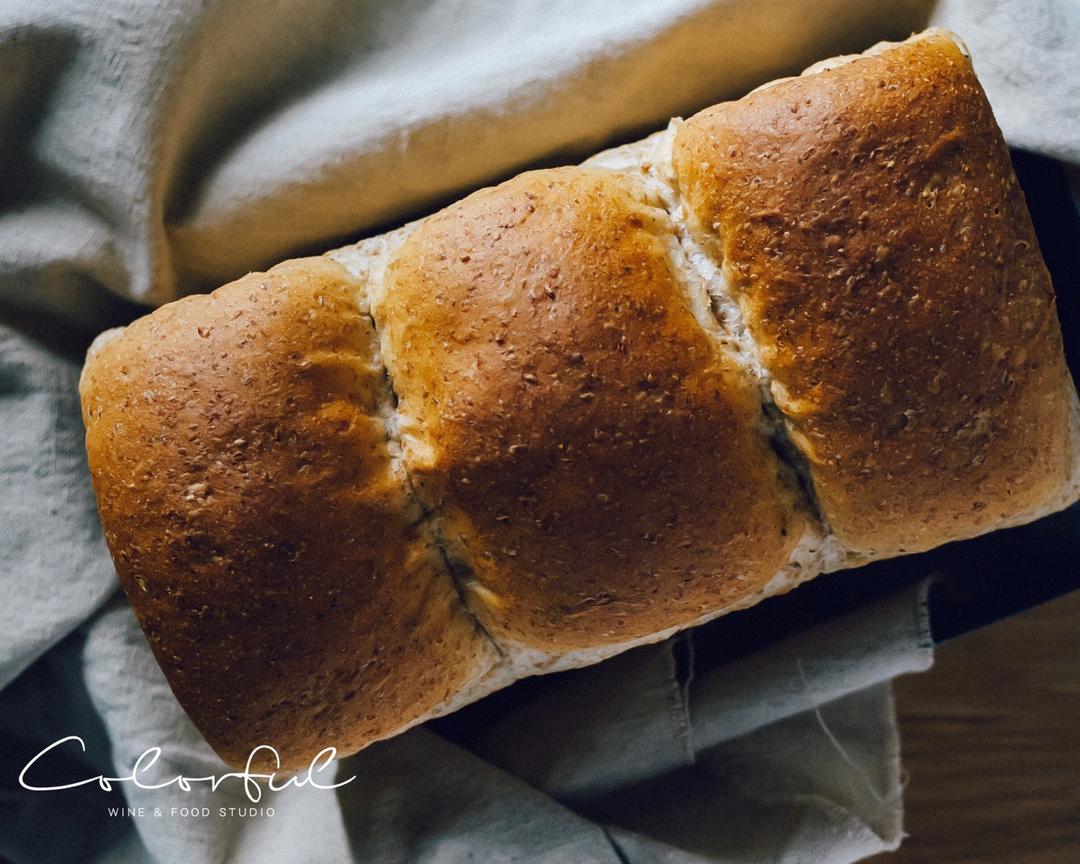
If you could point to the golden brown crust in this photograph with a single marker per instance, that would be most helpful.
(597, 461)
(588, 449)
(874, 234)
(256, 522)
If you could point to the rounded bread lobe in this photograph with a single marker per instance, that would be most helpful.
(870, 225)
(594, 459)
(258, 526)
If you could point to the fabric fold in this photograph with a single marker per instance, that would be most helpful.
(54, 568)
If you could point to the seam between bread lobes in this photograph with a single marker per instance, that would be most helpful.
(843, 215)
(720, 314)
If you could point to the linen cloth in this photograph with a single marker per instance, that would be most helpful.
(789, 754)
(149, 149)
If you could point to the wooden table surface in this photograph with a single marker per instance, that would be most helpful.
(991, 745)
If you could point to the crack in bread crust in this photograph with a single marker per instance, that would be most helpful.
(369, 267)
(720, 316)
(242, 472)
(868, 221)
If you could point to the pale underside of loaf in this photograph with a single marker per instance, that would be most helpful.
(707, 283)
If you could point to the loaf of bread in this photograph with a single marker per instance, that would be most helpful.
(586, 408)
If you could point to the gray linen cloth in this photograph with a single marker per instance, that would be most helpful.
(149, 149)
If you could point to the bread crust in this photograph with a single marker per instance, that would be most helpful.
(270, 549)
(595, 459)
(529, 432)
(871, 228)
